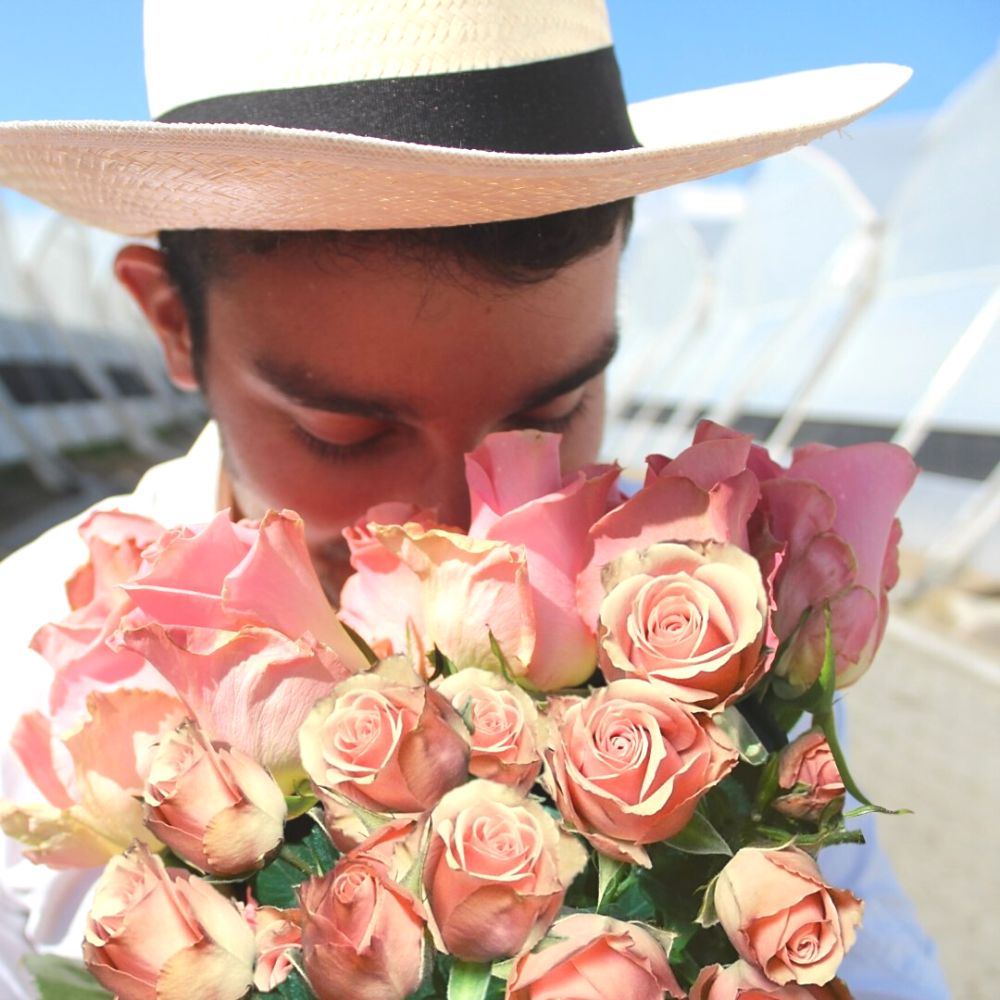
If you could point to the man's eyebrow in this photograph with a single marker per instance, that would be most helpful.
(581, 374)
(302, 388)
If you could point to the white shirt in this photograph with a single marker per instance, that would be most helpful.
(44, 910)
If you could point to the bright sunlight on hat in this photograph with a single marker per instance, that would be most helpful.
(378, 114)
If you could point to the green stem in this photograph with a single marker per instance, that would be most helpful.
(826, 722)
(286, 855)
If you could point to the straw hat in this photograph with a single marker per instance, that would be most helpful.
(369, 114)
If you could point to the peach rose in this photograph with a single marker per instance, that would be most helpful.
(691, 618)
(152, 932)
(627, 765)
(496, 871)
(741, 981)
(251, 689)
(360, 927)
(388, 745)
(76, 646)
(707, 493)
(504, 723)
(91, 778)
(807, 770)
(594, 958)
(212, 805)
(514, 573)
(277, 933)
(783, 918)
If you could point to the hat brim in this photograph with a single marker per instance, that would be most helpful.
(136, 178)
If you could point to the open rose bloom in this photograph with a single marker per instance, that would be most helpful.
(519, 749)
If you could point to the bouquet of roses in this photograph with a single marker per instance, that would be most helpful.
(547, 757)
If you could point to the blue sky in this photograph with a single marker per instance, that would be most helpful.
(82, 58)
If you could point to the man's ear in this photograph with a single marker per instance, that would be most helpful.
(142, 271)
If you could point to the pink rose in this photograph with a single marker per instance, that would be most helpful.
(91, 778)
(691, 618)
(706, 494)
(514, 574)
(627, 765)
(251, 689)
(212, 805)
(519, 496)
(832, 513)
(360, 927)
(116, 541)
(496, 871)
(504, 723)
(808, 773)
(152, 932)
(783, 918)
(228, 576)
(76, 647)
(277, 936)
(741, 981)
(387, 744)
(594, 958)
(433, 573)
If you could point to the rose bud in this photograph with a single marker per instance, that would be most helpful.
(627, 765)
(783, 918)
(152, 932)
(691, 618)
(362, 928)
(212, 805)
(496, 871)
(597, 958)
(388, 746)
(504, 723)
(398, 844)
(806, 768)
(741, 981)
(276, 933)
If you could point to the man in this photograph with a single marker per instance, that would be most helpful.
(338, 275)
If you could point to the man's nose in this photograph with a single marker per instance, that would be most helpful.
(444, 486)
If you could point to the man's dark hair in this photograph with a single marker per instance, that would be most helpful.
(521, 251)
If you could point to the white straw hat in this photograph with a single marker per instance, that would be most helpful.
(374, 114)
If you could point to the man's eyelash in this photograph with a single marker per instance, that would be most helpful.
(557, 425)
(336, 452)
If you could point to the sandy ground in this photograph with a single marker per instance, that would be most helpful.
(925, 734)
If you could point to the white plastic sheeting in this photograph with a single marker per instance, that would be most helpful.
(60, 308)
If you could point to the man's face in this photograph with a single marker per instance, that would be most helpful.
(342, 382)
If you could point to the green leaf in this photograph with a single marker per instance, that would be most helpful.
(502, 969)
(469, 980)
(864, 810)
(301, 800)
(307, 852)
(442, 664)
(505, 670)
(64, 979)
(700, 837)
(609, 871)
(818, 698)
(767, 788)
(734, 724)
(366, 651)
(707, 915)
